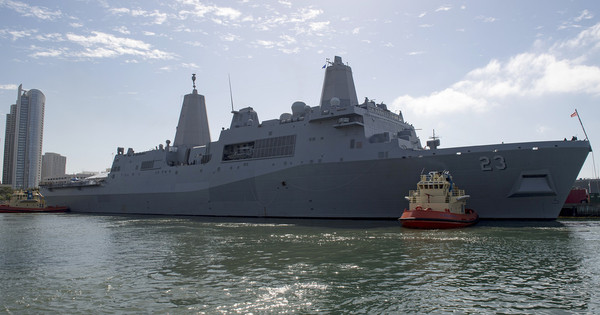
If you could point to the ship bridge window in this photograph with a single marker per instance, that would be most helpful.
(261, 148)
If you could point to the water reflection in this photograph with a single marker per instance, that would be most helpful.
(141, 264)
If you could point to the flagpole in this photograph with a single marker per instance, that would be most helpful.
(585, 133)
(586, 138)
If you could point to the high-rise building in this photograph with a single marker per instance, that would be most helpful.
(53, 165)
(23, 140)
(9, 144)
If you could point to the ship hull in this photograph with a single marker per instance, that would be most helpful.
(505, 181)
(9, 209)
(431, 219)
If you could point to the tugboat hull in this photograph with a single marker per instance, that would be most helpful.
(429, 219)
(9, 209)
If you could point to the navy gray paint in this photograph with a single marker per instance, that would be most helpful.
(340, 159)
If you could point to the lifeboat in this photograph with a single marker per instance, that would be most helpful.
(437, 203)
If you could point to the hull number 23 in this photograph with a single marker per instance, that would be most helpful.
(496, 162)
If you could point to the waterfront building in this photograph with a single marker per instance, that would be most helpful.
(23, 140)
(53, 165)
(70, 178)
(591, 184)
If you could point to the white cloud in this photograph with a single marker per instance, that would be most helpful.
(443, 8)
(486, 19)
(230, 37)
(294, 50)
(17, 34)
(200, 10)
(286, 3)
(439, 103)
(574, 22)
(190, 65)
(8, 86)
(318, 26)
(288, 39)
(46, 52)
(194, 43)
(25, 9)
(98, 45)
(100, 38)
(265, 43)
(585, 15)
(306, 14)
(54, 37)
(422, 14)
(229, 13)
(122, 30)
(588, 38)
(159, 17)
(283, 45)
(119, 10)
(530, 75)
(302, 21)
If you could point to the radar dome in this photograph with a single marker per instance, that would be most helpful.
(298, 108)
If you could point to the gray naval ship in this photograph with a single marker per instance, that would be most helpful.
(340, 159)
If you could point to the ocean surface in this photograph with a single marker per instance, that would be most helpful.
(82, 264)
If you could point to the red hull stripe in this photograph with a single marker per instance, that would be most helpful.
(8, 209)
(438, 220)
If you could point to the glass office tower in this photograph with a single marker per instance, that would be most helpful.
(24, 168)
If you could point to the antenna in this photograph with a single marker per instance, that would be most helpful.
(194, 80)
(434, 142)
(230, 93)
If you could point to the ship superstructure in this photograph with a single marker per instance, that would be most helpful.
(339, 159)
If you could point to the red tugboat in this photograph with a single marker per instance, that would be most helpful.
(437, 204)
(29, 202)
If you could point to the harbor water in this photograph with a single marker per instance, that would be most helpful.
(82, 264)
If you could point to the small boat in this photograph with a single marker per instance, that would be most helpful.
(437, 204)
(30, 201)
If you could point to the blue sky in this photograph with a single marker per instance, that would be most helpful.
(114, 72)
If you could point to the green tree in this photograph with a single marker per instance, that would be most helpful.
(5, 193)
